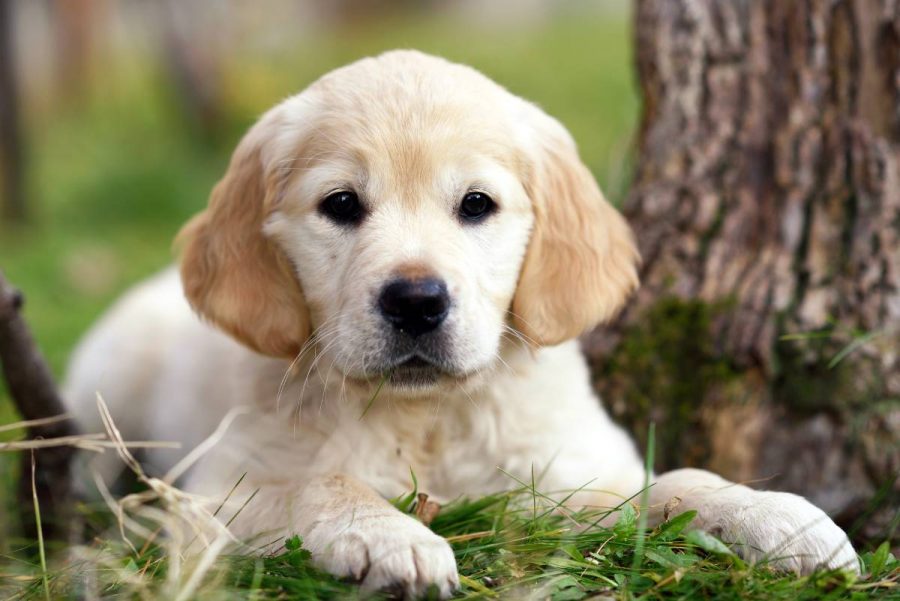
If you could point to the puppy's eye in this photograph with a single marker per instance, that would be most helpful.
(342, 207)
(476, 206)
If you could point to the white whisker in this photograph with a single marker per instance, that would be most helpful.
(520, 335)
(309, 344)
(301, 396)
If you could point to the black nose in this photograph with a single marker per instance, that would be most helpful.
(415, 307)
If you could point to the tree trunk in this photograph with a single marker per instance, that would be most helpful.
(764, 340)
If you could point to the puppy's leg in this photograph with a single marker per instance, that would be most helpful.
(352, 532)
(781, 528)
(580, 445)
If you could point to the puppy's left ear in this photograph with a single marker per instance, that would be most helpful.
(581, 263)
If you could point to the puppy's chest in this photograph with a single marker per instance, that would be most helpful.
(449, 455)
(448, 463)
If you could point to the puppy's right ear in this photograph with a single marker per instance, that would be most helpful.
(232, 274)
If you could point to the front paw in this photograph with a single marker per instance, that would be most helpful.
(787, 532)
(385, 550)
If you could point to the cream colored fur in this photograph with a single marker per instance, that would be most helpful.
(295, 292)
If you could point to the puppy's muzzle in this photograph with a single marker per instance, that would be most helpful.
(415, 306)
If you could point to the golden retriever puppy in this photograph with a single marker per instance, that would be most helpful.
(391, 276)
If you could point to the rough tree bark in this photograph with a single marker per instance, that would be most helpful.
(766, 203)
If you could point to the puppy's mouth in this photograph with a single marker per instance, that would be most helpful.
(415, 372)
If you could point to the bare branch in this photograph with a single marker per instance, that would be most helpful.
(35, 395)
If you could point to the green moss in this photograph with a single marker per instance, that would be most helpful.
(665, 367)
(837, 368)
(806, 382)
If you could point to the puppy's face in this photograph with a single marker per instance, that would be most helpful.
(406, 213)
(407, 225)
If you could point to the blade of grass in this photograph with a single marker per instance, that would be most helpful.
(40, 532)
(241, 508)
(645, 498)
(230, 492)
(405, 503)
(29, 423)
(222, 504)
(375, 395)
(855, 344)
(530, 489)
(256, 583)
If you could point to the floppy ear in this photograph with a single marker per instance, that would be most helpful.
(233, 275)
(581, 263)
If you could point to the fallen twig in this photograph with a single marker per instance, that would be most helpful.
(35, 395)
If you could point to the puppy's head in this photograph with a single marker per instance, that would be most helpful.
(406, 212)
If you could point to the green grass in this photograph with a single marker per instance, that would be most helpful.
(510, 545)
(113, 175)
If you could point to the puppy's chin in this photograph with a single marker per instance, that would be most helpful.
(415, 374)
(416, 377)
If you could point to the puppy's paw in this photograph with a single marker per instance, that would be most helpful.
(385, 551)
(787, 532)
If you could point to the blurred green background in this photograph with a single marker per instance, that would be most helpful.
(129, 114)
